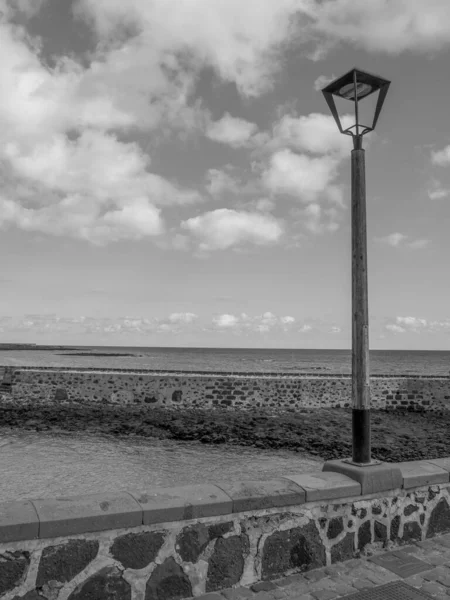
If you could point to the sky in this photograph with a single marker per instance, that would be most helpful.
(171, 174)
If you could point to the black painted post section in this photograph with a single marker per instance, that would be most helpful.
(360, 312)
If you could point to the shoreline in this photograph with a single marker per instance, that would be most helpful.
(323, 433)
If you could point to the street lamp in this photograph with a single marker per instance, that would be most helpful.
(355, 86)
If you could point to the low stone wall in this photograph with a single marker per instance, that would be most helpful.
(239, 391)
(174, 543)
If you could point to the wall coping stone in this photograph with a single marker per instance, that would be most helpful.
(57, 517)
(258, 495)
(326, 485)
(417, 473)
(90, 512)
(181, 503)
(373, 478)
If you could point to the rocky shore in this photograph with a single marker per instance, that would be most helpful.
(325, 433)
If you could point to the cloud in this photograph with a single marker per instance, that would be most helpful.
(398, 239)
(317, 220)
(41, 324)
(322, 81)
(417, 325)
(231, 131)
(244, 324)
(186, 317)
(219, 181)
(436, 191)
(315, 133)
(441, 158)
(242, 42)
(223, 228)
(299, 175)
(389, 27)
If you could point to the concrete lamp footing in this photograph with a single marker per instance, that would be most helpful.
(374, 477)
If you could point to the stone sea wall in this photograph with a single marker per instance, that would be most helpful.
(236, 391)
(183, 542)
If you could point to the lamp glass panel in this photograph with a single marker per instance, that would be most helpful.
(366, 109)
(346, 112)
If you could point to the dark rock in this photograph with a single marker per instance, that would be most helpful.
(61, 394)
(106, 584)
(177, 396)
(13, 567)
(226, 564)
(395, 525)
(344, 549)
(411, 531)
(376, 510)
(150, 399)
(220, 529)
(191, 542)
(137, 550)
(364, 536)
(168, 582)
(410, 509)
(64, 561)
(379, 532)
(335, 527)
(290, 549)
(439, 519)
(30, 595)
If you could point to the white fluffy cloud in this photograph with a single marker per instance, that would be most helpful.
(417, 325)
(299, 175)
(223, 228)
(441, 157)
(243, 323)
(399, 239)
(391, 27)
(232, 131)
(315, 133)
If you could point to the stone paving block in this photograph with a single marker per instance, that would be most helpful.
(278, 594)
(210, 596)
(262, 596)
(257, 495)
(313, 575)
(92, 512)
(444, 580)
(305, 597)
(324, 595)
(417, 473)
(436, 590)
(263, 586)
(237, 593)
(434, 574)
(179, 503)
(362, 584)
(437, 560)
(344, 589)
(18, 521)
(415, 580)
(443, 542)
(326, 485)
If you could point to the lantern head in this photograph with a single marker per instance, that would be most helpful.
(355, 86)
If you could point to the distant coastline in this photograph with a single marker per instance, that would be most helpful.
(33, 347)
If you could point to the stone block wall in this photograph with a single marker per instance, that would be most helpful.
(175, 543)
(242, 392)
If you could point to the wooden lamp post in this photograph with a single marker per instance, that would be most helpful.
(355, 86)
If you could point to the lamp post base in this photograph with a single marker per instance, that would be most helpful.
(372, 462)
(380, 477)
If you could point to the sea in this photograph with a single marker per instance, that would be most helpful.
(230, 360)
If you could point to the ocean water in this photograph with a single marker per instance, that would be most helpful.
(231, 360)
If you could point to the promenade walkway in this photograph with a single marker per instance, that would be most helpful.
(424, 566)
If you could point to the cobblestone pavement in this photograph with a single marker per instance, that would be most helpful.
(342, 579)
